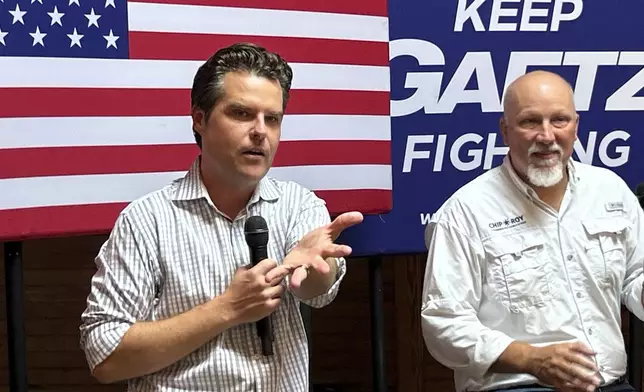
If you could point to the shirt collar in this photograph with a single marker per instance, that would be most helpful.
(526, 189)
(191, 187)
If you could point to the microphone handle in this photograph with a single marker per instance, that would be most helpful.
(264, 327)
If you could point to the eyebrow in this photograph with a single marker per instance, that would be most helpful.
(237, 105)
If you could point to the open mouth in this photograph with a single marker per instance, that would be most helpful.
(254, 152)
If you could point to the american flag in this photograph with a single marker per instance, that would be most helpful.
(95, 102)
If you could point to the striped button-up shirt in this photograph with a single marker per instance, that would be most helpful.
(173, 250)
(505, 266)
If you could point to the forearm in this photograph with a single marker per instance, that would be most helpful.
(148, 347)
(456, 338)
(316, 283)
(515, 359)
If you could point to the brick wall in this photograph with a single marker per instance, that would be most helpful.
(57, 274)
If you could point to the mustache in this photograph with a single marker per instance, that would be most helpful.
(544, 149)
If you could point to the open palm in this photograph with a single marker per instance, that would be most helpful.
(315, 247)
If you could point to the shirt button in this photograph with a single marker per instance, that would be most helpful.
(569, 257)
(590, 331)
(578, 295)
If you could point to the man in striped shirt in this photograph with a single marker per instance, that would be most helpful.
(174, 302)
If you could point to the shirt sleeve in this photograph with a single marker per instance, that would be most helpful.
(312, 214)
(121, 293)
(452, 290)
(632, 294)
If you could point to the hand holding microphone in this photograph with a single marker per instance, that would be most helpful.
(251, 296)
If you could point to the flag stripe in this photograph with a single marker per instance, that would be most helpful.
(169, 102)
(359, 7)
(175, 74)
(82, 137)
(122, 131)
(185, 46)
(109, 188)
(19, 224)
(64, 161)
(179, 18)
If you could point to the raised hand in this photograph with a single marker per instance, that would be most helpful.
(314, 248)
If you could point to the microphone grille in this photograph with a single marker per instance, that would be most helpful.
(256, 231)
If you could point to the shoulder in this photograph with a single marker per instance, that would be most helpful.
(601, 183)
(293, 194)
(144, 210)
(598, 175)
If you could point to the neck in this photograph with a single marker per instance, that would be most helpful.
(229, 198)
(553, 196)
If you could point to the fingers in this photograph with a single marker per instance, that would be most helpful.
(581, 371)
(321, 266)
(582, 348)
(278, 273)
(264, 266)
(335, 250)
(581, 360)
(344, 221)
(574, 379)
(298, 277)
(274, 292)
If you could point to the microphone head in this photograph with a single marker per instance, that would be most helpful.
(256, 231)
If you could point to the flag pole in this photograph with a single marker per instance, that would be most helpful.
(377, 324)
(15, 316)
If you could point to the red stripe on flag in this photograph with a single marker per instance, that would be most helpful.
(359, 7)
(175, 46)
(367, 201)
(90, 219)
(58, 161)
(169, 102)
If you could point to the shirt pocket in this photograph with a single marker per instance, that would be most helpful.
(518, 270)
(605, 250)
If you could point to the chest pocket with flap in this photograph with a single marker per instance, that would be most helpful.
(606, 250)
(518, 268)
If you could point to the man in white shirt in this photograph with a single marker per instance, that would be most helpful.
(529, 263)
(173, 304)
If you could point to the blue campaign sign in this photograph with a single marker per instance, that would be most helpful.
(450, 63)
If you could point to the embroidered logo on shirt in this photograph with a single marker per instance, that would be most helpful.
(615, 206)
(507, 223)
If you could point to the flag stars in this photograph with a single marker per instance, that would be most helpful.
(38, 37)
(111, 39)
(74, 2)
(92, 18)
(107, 3)
(18, 15)
(75, 38)
(56, 17)
(2, 35)
(33, 1)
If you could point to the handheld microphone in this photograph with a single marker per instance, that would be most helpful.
(256, 233)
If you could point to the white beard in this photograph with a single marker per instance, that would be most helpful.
(544, 177)
(545, 173)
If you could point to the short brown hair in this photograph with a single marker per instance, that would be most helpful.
(207, 86)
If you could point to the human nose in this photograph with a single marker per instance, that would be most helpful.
(546, 134)
(259, 127)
